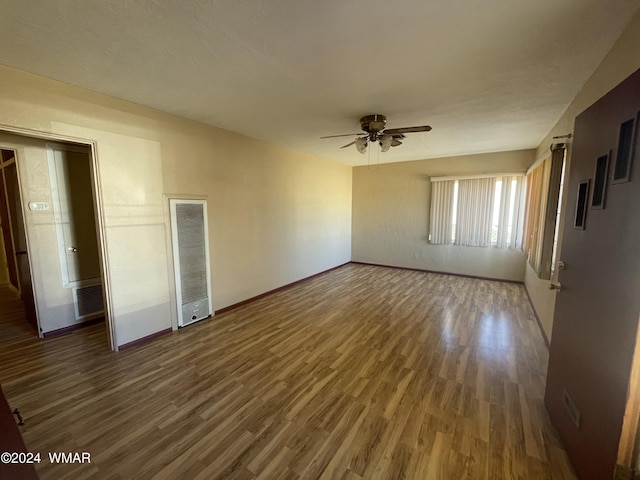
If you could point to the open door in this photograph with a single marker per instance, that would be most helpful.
(597, 308)
(7, 238)
(77, 239)
(15, 238)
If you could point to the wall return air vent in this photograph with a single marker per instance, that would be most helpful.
(88, 301)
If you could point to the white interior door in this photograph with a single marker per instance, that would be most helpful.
(190, 240)
(73, 199)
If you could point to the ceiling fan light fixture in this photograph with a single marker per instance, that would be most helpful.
(361, 144)
(374, 130)
(385, 143)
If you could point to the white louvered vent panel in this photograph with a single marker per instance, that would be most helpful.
(193, 272)
(191, 260)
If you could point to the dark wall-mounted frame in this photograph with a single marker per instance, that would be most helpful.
(582, 200)
(600, 180)
(625, 151)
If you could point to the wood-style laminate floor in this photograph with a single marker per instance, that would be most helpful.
(13, 326)
(362, 372)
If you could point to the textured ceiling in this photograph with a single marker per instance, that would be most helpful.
(487, 75)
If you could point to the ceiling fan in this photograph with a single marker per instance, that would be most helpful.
(373, 127)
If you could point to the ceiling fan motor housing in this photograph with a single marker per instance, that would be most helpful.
(373, 123)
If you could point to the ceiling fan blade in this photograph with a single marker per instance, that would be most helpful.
(391, 131)
(348, 144)
(345, 135)
(395, 142)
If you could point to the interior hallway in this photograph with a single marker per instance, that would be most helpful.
(14, 328)
(362, 372)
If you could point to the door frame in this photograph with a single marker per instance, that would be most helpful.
(98, 210)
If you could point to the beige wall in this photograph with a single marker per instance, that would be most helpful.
(275, 215)
(622, 61)
(391, 205)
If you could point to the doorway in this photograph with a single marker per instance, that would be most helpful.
(76, 232)
(59, 252)
(14, 237)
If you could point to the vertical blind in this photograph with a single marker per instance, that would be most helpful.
(478, 212)
(441, 211)
(475, 209)
(535, 210)
(511, 214)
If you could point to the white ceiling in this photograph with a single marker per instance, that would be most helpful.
(487, 75)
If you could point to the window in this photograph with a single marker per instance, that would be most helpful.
(479, 212)
(537, 185)
(542, 212)
(556, 233)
